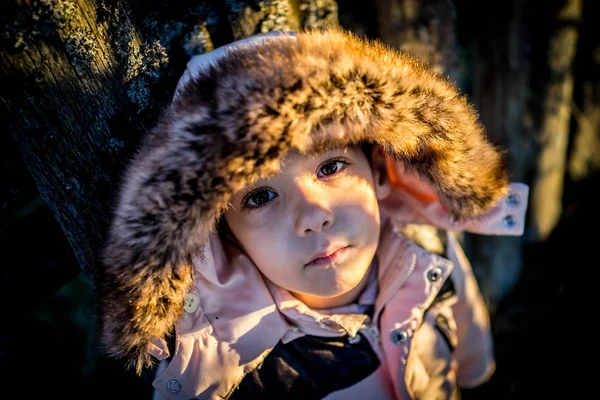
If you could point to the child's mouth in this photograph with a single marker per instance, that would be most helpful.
(333, 258)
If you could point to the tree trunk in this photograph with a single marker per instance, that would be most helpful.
(423, 28)
(497, 51)
(584, 158)
(555, 96)
(84, 79)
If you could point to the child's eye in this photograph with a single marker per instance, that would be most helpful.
(331, 167)
(259, 198)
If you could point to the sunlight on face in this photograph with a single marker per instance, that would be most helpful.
(313, 228)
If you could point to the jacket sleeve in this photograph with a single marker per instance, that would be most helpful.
(474, 351)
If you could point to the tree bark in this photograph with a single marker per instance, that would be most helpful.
(85, 79)
(63, 95)
(556, 96)
(423, 28)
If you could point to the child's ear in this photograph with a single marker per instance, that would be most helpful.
(381, 179)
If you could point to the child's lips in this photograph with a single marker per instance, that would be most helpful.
(333, 258)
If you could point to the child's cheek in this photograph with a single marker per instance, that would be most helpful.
(262, 218)
(357, 188)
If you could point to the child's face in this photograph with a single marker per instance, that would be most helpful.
(314, 227)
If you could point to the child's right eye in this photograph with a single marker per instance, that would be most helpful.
(259, 198)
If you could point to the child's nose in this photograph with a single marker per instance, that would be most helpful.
(313, 212)
(313, 221)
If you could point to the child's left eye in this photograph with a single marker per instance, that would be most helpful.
(331, 167)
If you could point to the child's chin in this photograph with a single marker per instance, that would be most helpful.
(335, 282)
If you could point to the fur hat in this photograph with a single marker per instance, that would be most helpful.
(233, 123)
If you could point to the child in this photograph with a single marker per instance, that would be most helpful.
(260, 246)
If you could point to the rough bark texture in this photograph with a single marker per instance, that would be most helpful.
(61, 99)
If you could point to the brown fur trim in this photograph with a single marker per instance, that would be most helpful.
(233, 124)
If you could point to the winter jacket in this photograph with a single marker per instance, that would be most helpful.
(236, 113)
